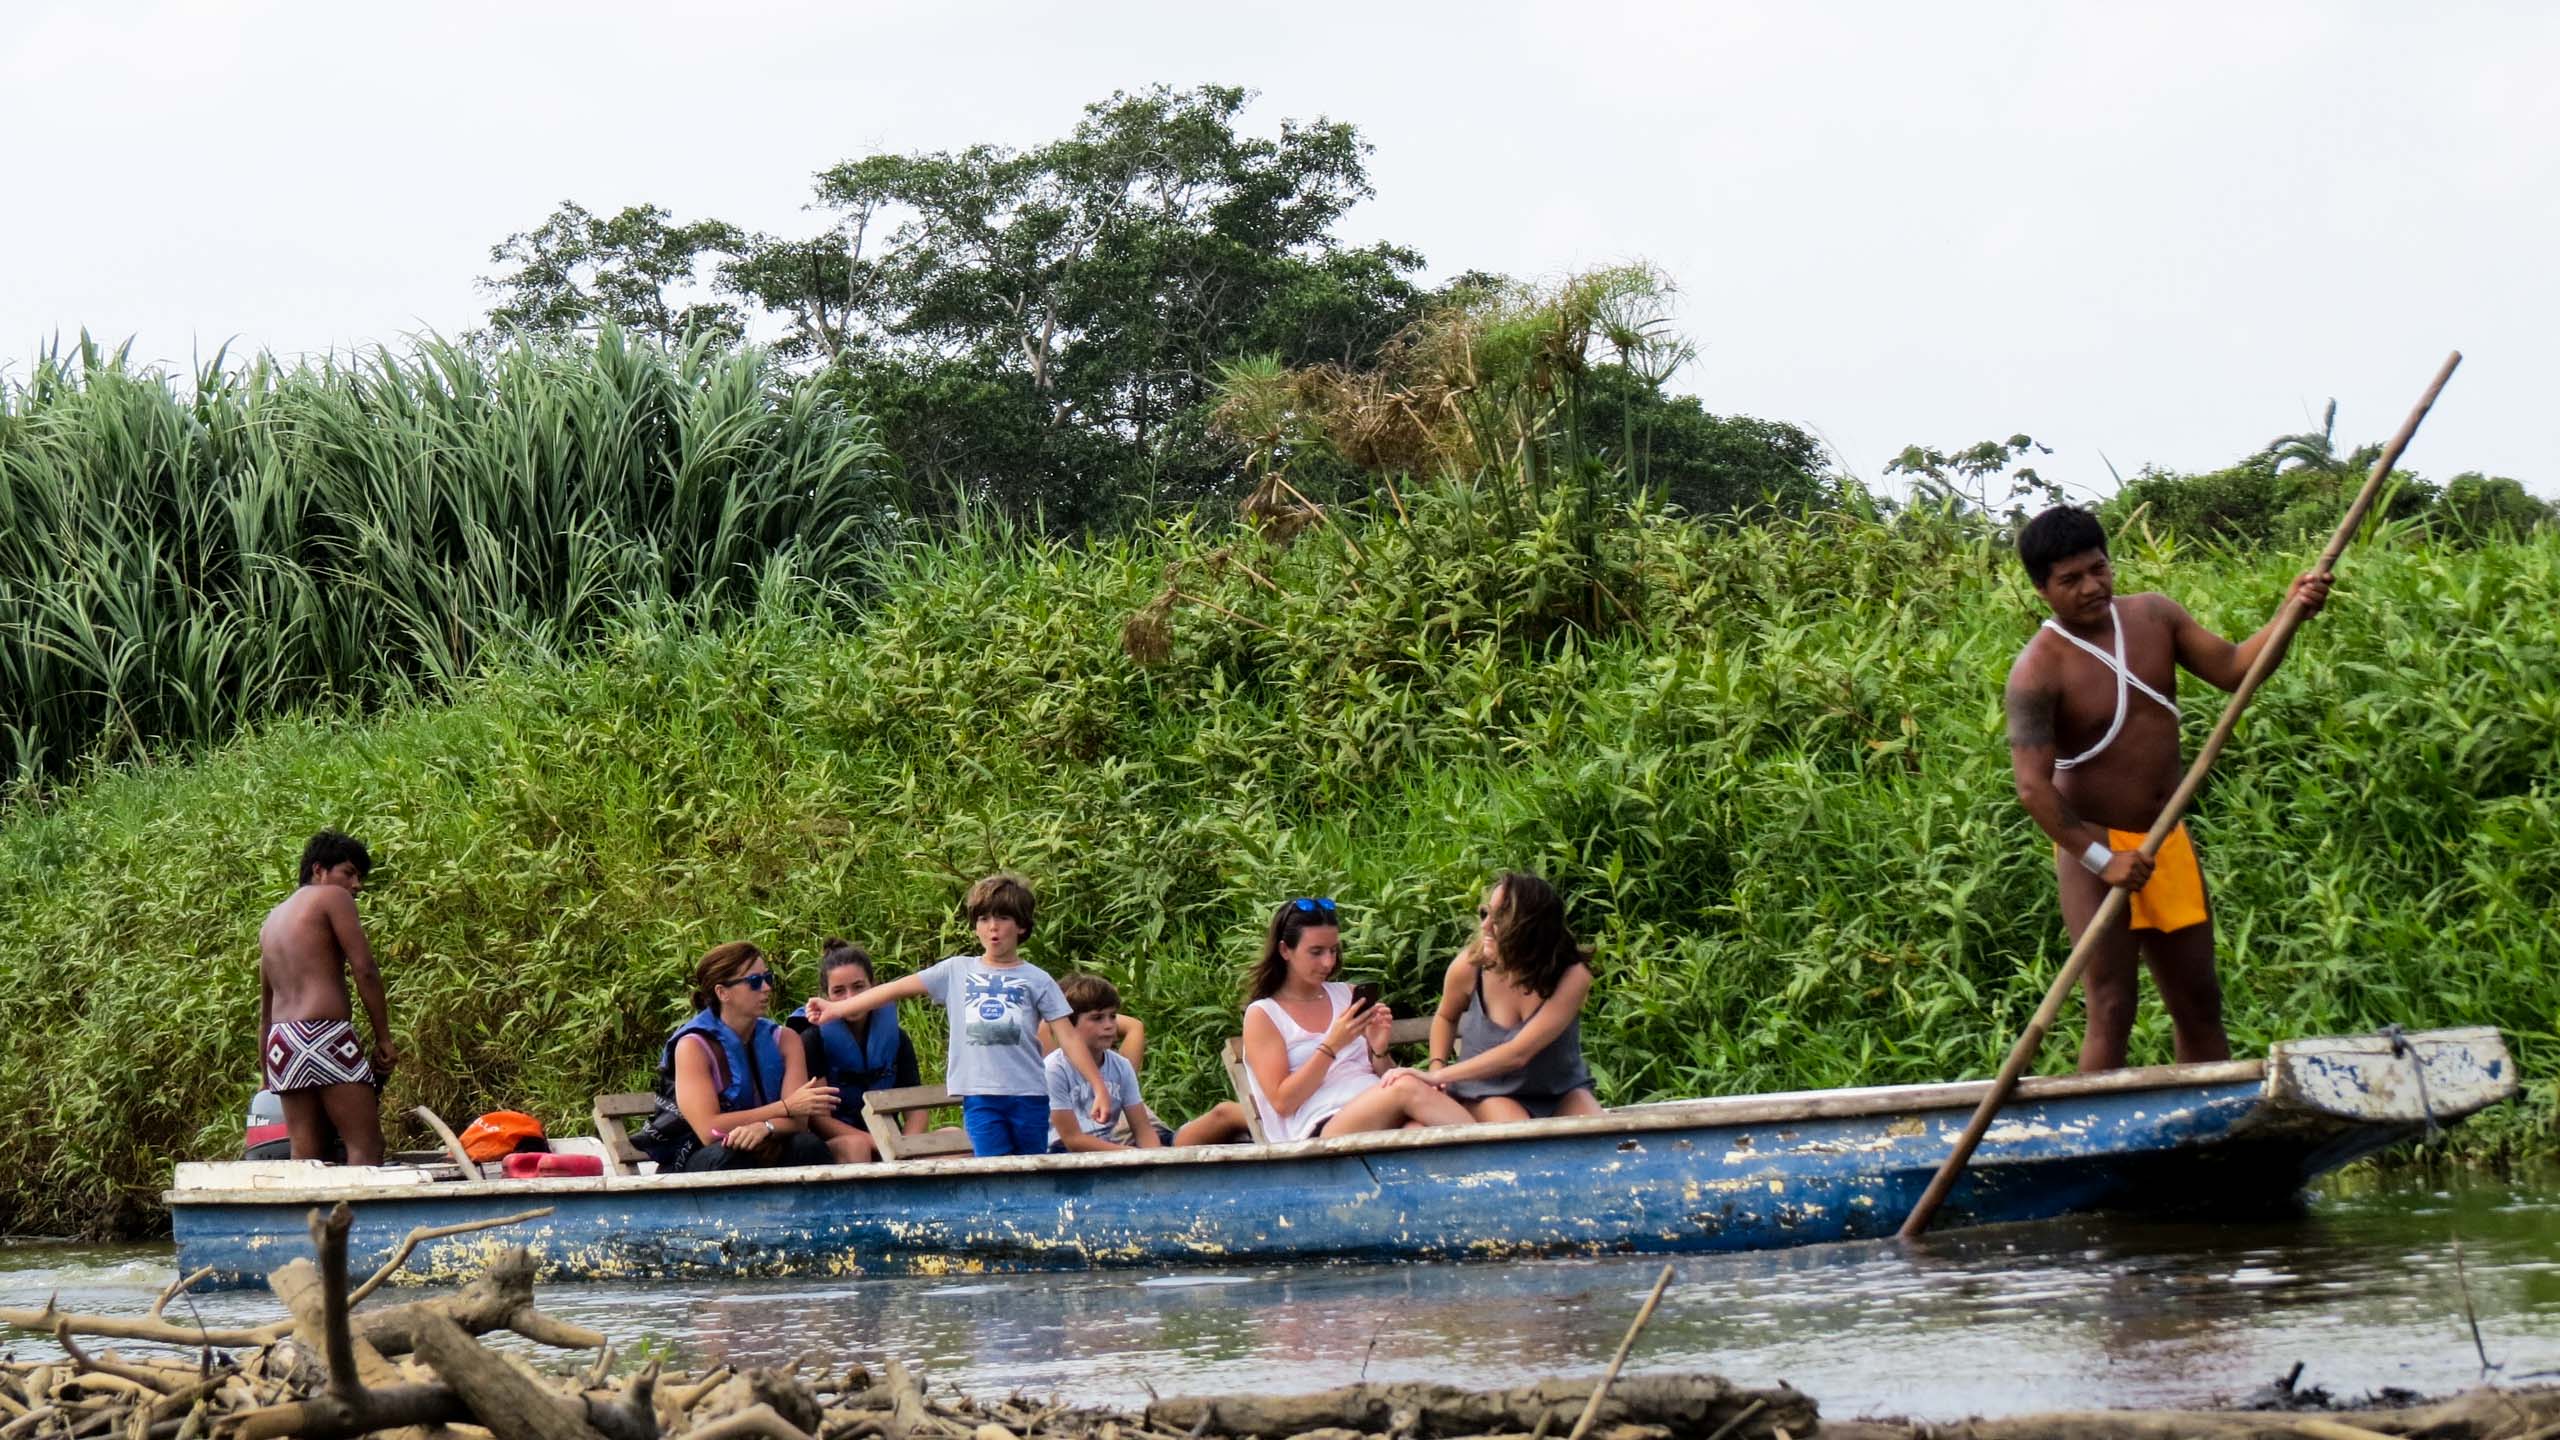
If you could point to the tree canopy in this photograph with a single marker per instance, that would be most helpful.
(2296, 487)
(1036, 327)
(1160, 308)
(579, 271)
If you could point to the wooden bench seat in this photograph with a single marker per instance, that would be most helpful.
(613, 1114)
(882, 1110)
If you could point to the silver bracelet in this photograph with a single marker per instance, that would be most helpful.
(2095, 858)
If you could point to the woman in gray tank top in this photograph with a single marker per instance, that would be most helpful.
(1512, 1006)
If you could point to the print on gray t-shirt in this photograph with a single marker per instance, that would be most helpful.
(1067, 1091)
(996, 1012)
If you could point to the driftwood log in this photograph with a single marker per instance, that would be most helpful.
(2521, 1414)
(1680, 1405)
(417, 1372)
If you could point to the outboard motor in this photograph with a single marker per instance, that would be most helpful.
(268, 1138)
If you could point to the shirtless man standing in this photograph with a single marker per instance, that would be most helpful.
(306, 949)
(2093, 742)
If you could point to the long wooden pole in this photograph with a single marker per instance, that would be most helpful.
(2287, 620)
(1600, 1392)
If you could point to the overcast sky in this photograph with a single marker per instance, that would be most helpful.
(2154, 232)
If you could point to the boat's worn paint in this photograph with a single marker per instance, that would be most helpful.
(2367, 1077)
(1747, 1172)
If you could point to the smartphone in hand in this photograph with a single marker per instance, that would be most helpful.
(1366, 992)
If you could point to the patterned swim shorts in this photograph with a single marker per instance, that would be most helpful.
(315, 1054)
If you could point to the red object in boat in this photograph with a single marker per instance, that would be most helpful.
(532, 1166)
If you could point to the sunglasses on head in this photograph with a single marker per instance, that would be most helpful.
(1321, 905)
(762, 979)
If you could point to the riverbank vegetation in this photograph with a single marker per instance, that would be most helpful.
(1764, 762)
(184, 556)
(614, 650)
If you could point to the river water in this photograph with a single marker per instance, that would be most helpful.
(2362, 1290)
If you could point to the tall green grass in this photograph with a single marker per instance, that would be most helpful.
(1774, 788)
(180, 559)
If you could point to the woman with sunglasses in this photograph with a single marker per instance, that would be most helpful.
(733, 1087)
(1312, 1054)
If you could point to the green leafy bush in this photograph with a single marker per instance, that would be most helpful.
(177, 561)
(1770, 777)
(2297, 490)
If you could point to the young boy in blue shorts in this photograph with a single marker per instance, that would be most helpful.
(998, 1004)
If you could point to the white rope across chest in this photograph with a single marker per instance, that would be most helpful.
(2125, 678)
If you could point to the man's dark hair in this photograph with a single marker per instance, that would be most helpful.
(2056, 536)
(328, 850)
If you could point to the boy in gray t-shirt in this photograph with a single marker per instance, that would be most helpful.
(1075, 1121)
(998, 1004)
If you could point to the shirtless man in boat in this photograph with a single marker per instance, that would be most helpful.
(307, 948)
(2093, 742)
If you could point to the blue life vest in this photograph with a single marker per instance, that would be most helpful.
(742, 1086)
(856, 1065)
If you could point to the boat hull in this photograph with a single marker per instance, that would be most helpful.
(1742, 1173)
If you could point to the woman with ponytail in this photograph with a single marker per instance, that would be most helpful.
(734, 1091)
(858, 1055)
(1313, 1054)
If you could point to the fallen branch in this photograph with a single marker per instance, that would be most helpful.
(423, 1234)
(109, 1327)
(761, 1420)
(357, 1372)
(82, 1360)
(909, 1416)
(2476, 1415)
(1687, 1404)
(630, 1413)
(325, 1417)
(682, 1401)
(329, 1242)
(29, 1421)
(176, 1288)
(399, 1406)
(500, 1299)
(192, 1398)
(1728, 1427)
(775, 1390)
(504, 1398)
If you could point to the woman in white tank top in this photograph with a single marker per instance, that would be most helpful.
(1312, 1056)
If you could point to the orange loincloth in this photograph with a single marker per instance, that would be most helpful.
(2173, 898)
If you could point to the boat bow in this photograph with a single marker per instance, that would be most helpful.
(2436, 1077)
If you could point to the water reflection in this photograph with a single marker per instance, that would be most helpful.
(2362, 1290)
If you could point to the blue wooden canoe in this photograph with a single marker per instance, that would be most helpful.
(1741, 1172)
